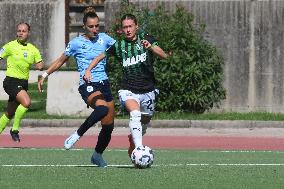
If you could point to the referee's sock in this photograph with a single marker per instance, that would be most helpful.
(4, 121)
(19, 114)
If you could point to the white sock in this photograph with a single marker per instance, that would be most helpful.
(135, 127)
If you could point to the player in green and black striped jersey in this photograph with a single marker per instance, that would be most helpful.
(137, 63)
(136, 54)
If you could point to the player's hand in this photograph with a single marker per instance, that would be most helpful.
(146, 44)
(87, 76)
(39, 84)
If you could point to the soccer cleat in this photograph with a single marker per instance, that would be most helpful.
(15, 135)
(98, 160)
(70, 141)
(131, 145)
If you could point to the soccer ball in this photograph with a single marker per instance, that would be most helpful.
(142, 157)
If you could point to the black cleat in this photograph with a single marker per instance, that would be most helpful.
(15, 135)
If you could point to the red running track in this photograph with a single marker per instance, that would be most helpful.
(157, 142)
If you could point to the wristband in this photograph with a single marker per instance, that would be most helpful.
(44, 75)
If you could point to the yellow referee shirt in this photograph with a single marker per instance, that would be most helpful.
(20, 58)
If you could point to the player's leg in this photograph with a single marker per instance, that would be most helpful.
(147, 106)
(107, 124)
(10, 86)
(97, 102)
(147, 109)
(24, 103)
(4, 121)
(131, 103)
(17, 91)
(93, 97)
(8, 115)
(145, 122)
(104, 136)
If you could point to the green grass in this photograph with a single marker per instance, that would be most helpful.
(37, 111)
(171, 169)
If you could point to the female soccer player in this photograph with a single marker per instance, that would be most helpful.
(137, 94)
(20, 56)
(95, 92)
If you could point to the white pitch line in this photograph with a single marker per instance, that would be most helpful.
(168, 165)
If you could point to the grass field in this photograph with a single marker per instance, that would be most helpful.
(57, 168)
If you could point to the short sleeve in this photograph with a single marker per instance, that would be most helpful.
(69, 50)
(151, 39)
(109, 41)
(37, 56)
(111, 50)
(4, 51)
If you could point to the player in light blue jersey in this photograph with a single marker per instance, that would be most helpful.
(95, 92)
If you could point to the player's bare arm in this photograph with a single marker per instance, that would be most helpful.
(87, 75)
(54, 66)
(156, 49)
(159, 51)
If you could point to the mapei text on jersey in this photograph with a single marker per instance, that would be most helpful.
(135, 59)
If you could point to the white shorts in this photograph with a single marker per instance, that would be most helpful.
(146, 100)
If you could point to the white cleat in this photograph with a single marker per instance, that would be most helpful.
(70, 141)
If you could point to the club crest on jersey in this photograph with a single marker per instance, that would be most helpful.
(134, 59)
(138, 47)
(25, 54)
(100, 41)
(90, 89)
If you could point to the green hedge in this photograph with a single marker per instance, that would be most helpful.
(191, 79)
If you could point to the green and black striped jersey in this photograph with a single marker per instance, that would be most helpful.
(137, 63)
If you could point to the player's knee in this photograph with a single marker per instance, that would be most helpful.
(94, 100)
(26, 103)
(135, 115)
(101, 110)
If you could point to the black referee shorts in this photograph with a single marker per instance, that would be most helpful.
(13, 86)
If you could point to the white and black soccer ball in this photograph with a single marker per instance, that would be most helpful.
(142, 157)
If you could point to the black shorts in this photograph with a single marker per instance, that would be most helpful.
(13, 86)
(103, 86)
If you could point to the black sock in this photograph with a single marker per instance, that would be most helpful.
(104, 138)
(96, 115)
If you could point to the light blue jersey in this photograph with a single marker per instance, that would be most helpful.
(85, 50)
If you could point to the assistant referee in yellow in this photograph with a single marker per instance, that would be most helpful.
(20, 56)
